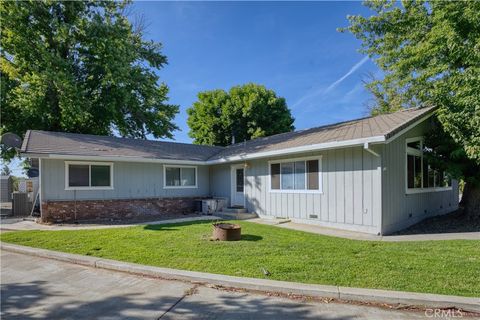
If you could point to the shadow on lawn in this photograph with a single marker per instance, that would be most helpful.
(250, 237)
(173, 226)
(37, 299)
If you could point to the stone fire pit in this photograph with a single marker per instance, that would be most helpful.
(226, 232)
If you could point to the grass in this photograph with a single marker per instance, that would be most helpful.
(442, 267)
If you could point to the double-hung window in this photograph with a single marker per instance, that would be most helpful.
(180, 177)
(88, 175)
(296, 176)
(420, 175)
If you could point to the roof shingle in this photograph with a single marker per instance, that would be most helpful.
(45, 142)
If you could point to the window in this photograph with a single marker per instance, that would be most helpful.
(86, 175)
(180, 177)
(421, 176)
(239, 180)
(296, 175)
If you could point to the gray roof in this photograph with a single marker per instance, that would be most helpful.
(45, 142)
(382, 125)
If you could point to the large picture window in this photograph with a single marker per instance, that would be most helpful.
(296, 175)
(180, 177)
(88, 175)
(420, 175)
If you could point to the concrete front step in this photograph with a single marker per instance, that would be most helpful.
(235, 210)
(236, 216)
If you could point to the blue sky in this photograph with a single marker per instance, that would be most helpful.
(291, 47)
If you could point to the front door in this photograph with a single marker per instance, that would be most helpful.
(238, 185)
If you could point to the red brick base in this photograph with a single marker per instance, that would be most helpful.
(121, 209)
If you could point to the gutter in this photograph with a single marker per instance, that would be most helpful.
(251, 156)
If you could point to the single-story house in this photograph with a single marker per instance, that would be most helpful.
(366, 175)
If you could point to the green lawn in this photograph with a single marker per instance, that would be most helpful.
(443, 267)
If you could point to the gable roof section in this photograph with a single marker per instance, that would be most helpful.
(376, 129)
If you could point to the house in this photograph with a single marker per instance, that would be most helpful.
(366, 175)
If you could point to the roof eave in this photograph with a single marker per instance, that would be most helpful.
(56, 156)
(300, 149)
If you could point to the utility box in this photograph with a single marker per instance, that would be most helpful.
(20, 205)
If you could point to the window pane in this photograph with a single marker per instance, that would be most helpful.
(312, 169)
(414, 145)
(188, 177)
(414, 171)
(100, 176)
(172, 177)
(447, 180)
(418, 172)
(287, 175)
(426, 182)
(275, 176)
(78, 175)
(300, 175)
(239, 178)
(438, 179)
(431, 178)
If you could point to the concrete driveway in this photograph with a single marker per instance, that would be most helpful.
(37, 288)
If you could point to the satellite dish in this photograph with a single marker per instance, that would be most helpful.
(32, 172)
(11, 140)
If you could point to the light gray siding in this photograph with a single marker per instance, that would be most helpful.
(220, 185)
(351, 198)
(399, 208)
(130, 180)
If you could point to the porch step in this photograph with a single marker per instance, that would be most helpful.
(235, 210)
(235, 216)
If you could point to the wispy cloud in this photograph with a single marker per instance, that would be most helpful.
(323, 90)
(346, 75)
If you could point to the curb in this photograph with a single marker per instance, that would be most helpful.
(313, 290)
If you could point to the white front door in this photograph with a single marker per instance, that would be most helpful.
(238, 185)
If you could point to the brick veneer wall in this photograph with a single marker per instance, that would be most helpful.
(118, 209)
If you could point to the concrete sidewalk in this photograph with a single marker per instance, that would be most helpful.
(283, 287)
(18, 224)
(38, 288)
(311, 228)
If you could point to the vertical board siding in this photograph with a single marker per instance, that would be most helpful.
(350, 178)
(400, 209)
(130, 180)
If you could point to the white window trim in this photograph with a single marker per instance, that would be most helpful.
(89, 163)
(305, 191)
(179, 187)
(416, 152)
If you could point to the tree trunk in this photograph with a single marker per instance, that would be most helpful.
(471, 200)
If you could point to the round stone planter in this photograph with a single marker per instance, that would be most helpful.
(226, 232)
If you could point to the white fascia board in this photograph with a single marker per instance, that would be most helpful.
(413, 125)
(301, 149)
(114, 159)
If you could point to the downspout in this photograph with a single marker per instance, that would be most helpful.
(40, 198)
(367, 148)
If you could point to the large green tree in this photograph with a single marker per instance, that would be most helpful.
(429, 52)
(245, 112)
(80, 66)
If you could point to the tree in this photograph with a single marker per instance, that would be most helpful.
(244, 113)
(80, 66)
(6, 170)
(428, 51)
